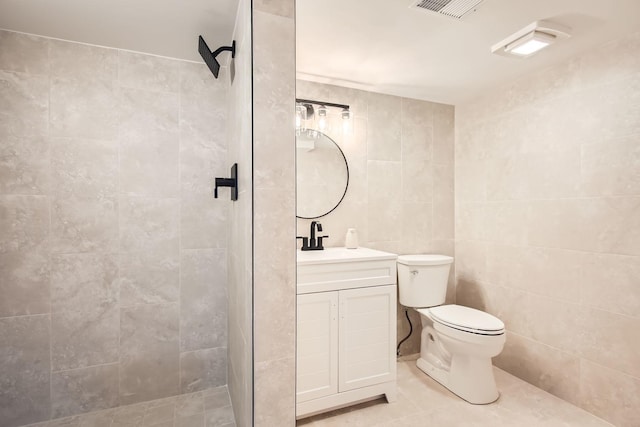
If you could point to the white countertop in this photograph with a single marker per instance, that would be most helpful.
(334, 255)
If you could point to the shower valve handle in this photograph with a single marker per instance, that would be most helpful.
(228, 182)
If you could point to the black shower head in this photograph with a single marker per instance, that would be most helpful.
(210, 57)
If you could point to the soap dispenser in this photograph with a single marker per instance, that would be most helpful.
(351, 239)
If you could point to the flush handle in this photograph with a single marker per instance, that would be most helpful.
(413, 272)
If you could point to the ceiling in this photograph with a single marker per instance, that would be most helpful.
(161, 27)
(378, 45)
(386, 46)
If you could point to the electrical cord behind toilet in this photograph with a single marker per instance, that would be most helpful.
(406, 312)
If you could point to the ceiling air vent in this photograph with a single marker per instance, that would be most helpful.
(456, 9)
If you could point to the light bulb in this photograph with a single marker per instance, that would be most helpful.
(322, 117)
(346, 126)
(301, 115)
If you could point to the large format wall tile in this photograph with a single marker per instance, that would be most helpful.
(602, 331)
(149, 164)
(24, 266)
(620, 273)
(148, 72)
(610, 394)
(83, 108)
(24, 168)
(203, 299)
(277, 392)
(84, 225)
(84, 338)
(24, 53)
(147, 224)
(84, 168)
(85, 281)
(546, 367)
(150, 277)
(84, 61)
(204, 221)
(610, 167)
(203, 369)
(84, 390)
(274, 217)
(23, 223)
(24, 283)
(417, 130)
(143, 112)
(384, 127)
(25, 370)
(149, 352)
(201, 160)
(25, 106)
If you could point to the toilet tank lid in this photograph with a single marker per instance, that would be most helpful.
(424, 259)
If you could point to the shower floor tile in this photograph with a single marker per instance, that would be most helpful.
(424, 402)
(208, 408)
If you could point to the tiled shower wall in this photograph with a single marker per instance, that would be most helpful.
(240, 365)
(548, 225)
(400, 194)
(113, 252)
(274, 212)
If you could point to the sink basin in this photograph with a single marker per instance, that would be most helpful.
(340, 268)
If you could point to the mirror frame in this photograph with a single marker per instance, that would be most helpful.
(346, 187)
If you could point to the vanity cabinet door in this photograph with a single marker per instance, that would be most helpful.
(317, 345)
(367, 336)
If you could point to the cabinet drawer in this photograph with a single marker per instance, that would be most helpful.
(346, 275)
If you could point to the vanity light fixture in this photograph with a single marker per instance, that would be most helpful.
(322, 117)
(309, 103)
(305, 111)
(301, 115)
(531, 39)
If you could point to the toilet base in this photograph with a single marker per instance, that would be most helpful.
(475, 384)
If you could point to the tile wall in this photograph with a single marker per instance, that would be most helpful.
(400, 194)
(113, 259)
(274, 212)
(548, 225)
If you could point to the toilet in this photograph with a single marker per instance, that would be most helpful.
(457, 342)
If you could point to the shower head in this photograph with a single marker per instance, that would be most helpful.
(210, 57)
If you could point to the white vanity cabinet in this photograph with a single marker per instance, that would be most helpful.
(346, 328)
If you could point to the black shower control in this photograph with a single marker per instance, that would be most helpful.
(228, 182)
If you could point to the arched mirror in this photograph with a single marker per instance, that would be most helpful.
(322, 174)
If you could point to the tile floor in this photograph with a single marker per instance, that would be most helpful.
(424, 402)
(209, 408)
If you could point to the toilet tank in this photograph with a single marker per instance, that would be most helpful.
(422, 279)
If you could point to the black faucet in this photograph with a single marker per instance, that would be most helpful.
(313, 243)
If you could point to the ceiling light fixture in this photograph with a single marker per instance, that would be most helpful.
(531, 39)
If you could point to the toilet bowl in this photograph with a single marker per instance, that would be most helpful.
(457, 342)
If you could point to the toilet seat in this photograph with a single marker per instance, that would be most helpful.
(465, 319)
